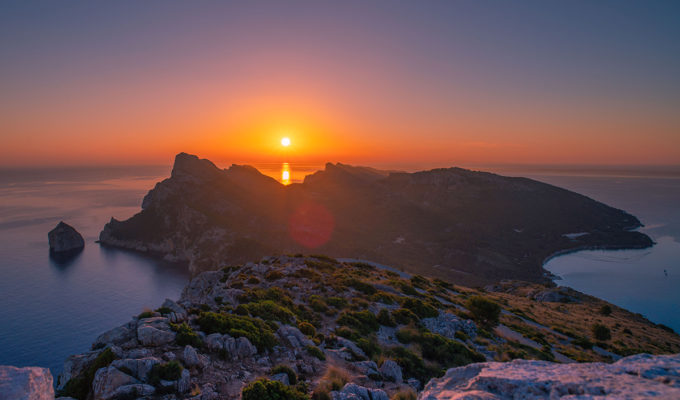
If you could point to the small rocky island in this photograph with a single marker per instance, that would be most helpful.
(65, 239)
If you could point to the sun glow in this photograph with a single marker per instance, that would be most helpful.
(285, 174)
(285, 142)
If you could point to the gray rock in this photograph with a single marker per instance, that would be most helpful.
(282, 377)
(184, 382)
(214, 342)
(139, 368)
(74, 365)
(446, 324)
(391, 371)
(639, 376)
(190, 357)
(28, 383)
(154, 331)
(136, 390)
(366, 367)
(353, 391)
(64, 238)
(293, 336)
(555, 295)
(244, 348)
(117, 336)
(351, 346)
(178, 313)
(108, 380)
(414, 383)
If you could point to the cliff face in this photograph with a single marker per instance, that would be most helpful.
(467, 226)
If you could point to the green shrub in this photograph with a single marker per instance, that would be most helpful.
(460, 335)
(317, 303)
(315, 352)
(265, 389)
(253, 280)
(168, 371)
(383, 297)
(281, 368)
(404, 316)
(145, 314)
(483, 310)
(419, 281)
(255, 330)
(385, 318)
(347, 333)
(606, 310)
(369, 346)
(186, 335)
(320, 265)
(362, 321)
(273, 275)
(601, 332)
(412, 365)
(79, 386)
(419, 308)
(268, 310)
(164, 310)
(361, 286)
(307, 328)
(277, 294)
(337, 302)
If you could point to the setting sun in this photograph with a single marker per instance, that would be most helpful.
(285, 142)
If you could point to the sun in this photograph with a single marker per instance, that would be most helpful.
(285, 141)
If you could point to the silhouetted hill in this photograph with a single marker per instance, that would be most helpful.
(466, 226)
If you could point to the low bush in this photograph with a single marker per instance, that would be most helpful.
(363, 321)
(361, 286)
(601, 332)
(317, 303)
(404, 316)
(583, 343)
(369, 346)
(265, 389)
(145, 314)
(385, 318)
(334, 380)
(307, 328)
(337, 302)
(268, 310)
(186, 335)
(315, 352)
(483, 310)
(255, 330)
(412, 365)
(606, 310)
(273, 275)
(419, 308)
(281, 368)
(168, 371)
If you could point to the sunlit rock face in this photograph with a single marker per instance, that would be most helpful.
(64, 238)
(29, 383)
(639, 376)
(469, 226)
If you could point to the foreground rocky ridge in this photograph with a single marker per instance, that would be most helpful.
(636, 377)
(315, 327)
(455, 224)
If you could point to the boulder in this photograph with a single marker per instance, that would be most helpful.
(139, 368)
(214, 342)
(190, 356)
(74, 366)
(639, 376)
(446, 324)
(116, 336)
(391, 371)
(178, 313)
(108, 380)
(64, 238)
(244, 348)
(184, 382)
(293, 336)
(28, 383)
(352, 391)
(367, 368)
(281, 377)
(154, 331)
(346, 344)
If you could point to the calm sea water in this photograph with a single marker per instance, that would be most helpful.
(50, 310)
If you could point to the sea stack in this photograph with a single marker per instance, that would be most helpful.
(64, 238)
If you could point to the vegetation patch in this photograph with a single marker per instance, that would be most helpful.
(265, 389)
(486, 312)
(79, 387)
(186, 335)
(362, 321)
(281, 368)
(255, 330)
(268, 310)
(169, 371)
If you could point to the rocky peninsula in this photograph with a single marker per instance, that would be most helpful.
(464, 226)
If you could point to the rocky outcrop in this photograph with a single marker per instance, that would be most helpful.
(391, 371)
(353, 391)
(64, 239)
(447, 324)
(639, 376)
(29, 383)
(154, 331)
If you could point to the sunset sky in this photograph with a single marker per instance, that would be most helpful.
(451, 82)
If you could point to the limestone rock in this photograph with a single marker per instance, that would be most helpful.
(366, 367)
(638, 376)
(29, 383)
(108, 380)
(64, 238)
(281, 377)
(446, 324)
(353, 391)
(154, 331)
(294, 337)
(391, 371)
(190, 357)
(139, 368)
(74, 366)
(117, 336)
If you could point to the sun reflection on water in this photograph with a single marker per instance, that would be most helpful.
(285, 173)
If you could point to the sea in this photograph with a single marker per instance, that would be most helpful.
(50, 309)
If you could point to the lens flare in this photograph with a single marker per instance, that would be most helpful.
(285, 142)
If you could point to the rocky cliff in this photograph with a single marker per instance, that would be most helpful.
(466, 226)
(296, 327)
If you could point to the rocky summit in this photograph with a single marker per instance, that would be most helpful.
(470, 227)
(641, 376)
(64, 239)
(311, 327)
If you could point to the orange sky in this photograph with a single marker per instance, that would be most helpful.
(365, 88)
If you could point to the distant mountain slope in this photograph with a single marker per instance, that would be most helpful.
(466, 226)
